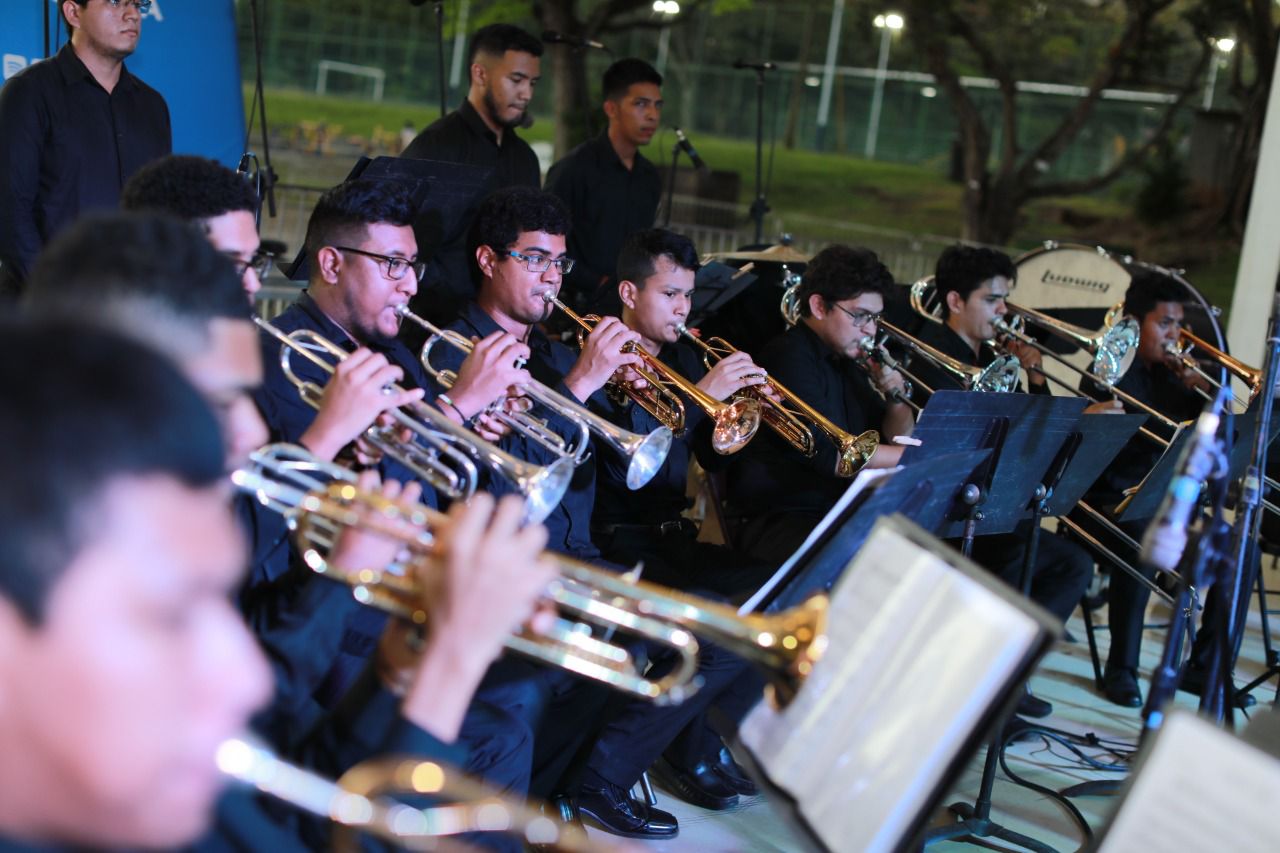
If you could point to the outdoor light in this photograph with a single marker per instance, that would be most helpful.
(929, 92)
(813, 82)
(891, 20)
(666, 7)
(1225, 45)
(888, 24)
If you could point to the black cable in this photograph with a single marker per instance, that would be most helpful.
(1047, 792)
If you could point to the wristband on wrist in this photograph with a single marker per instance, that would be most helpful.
(448, 401)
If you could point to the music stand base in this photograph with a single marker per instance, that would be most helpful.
(972, 826)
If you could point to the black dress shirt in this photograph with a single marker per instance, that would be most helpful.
(1160, 388)
(463, 137)
(608, 202)
(663, 498)
(569, 524)
(67, 146)
(770, 476)
(942, 337)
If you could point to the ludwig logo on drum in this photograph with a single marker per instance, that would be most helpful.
(1060, 280)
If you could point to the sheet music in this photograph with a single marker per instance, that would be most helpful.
(918, 652)
(1199, 788)
(861, 481)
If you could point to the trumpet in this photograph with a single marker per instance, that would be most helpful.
(790, 417)
(736, 423)
(790, 305)
(1000, 376)
(358, 803)
(542, 487)
(644, 453)
(785, 645)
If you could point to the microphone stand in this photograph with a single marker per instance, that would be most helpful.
(267, 173)
(1248, 557)
(444, 92)
(671, 184)
(759, 207)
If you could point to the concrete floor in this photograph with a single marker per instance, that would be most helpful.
(1065, 678)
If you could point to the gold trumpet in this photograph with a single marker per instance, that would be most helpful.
(644, 453)
(788, 414)
(736, 423)
(358, 802)
(785, 645)
(434, 436)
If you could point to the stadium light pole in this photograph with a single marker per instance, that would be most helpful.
(888, 24)
(1224, 46)
(829, 72)
(668, 9)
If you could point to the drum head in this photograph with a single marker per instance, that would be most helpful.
(1070, 276)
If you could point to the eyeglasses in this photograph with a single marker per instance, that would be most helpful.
(143, 6)
(392, 267)
(860, 318)
(541, 263)
(260, 263)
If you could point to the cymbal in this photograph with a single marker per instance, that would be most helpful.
(776, 254)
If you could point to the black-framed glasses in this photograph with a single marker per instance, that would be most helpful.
(392, 267)
(143, 6)
(260, 263)
(541, 263)
(860, 318)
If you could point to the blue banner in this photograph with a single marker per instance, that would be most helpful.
(187, 51)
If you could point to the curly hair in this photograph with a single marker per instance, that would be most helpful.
(1147, 289)
(843, 272)
(188, 187)
(506, 214)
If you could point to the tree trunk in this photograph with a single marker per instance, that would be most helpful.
(568, 73)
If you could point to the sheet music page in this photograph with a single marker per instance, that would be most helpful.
(917, 653)
(1200, 788)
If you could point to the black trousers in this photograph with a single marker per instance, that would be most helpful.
(676, 559)
(1059, 577)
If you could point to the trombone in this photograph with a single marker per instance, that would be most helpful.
(542, 487)
(785, 645)
(736, 423)
(1188, 341)
(873, 350)
(1000, 376)
(790, 417)
(357, 802)
(644, 453)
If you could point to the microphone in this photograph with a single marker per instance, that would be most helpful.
(686, 146)
(553, 37)
(1166, 536)
(762, 65)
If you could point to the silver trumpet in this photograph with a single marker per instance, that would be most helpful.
(440, 451)
(644, 453)
(359, 803)
(784, 645)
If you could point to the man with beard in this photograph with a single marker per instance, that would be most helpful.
(611, 189)
(505, 68)
(72, 130)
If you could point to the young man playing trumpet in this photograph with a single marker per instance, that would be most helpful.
(123, 664)
(782, 492)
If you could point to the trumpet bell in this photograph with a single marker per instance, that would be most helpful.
(1117, 350)
(544, 490)
(735, 425)
(647, 457)
(1000, 376)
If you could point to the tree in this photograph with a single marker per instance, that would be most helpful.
(951, 34)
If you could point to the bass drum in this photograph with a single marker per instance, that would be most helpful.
(1072, 277)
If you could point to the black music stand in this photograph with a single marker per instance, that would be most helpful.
(923, 492)
(1144, 502)
(715, 286)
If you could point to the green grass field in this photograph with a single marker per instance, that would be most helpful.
(819, 188)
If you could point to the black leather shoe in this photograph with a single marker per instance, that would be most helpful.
(614, 810)
(1120, 685)
(1193, 682)
(563, 809)
(1033, 706)
(733, 774)
(700, 784)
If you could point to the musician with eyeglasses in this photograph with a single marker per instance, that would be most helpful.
(219, 200)
(124, 665)
(73, 129)
(781, 492)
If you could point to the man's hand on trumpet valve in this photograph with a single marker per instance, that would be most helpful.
(353, 399)
(890, 382)
(359, 547)
(731, 374)
(486, 375)
(602, 355)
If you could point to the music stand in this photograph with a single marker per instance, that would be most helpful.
(871, 743)
(715, 285)
(1144, 501)
(923, 492)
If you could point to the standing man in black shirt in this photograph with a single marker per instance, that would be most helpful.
(611, 189)
(782, 492)
(505, 68)
(72, 130)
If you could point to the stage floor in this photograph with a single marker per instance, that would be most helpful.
(1065, 678)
